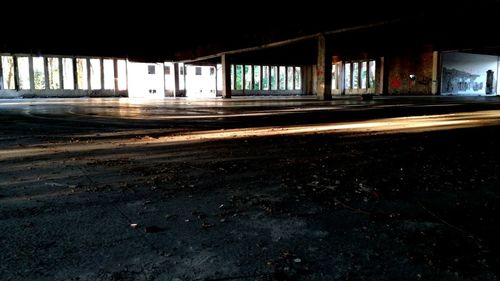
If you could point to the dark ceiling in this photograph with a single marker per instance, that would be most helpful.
(152, 31)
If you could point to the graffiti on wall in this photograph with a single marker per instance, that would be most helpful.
(455, 81)
(469, 74)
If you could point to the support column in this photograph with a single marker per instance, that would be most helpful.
(184, 75)
(89, 72)
(101, 66)
(32, 73)
(435, 67)
(46, 72)
(252, 74)
(215, 69)
(16, 73)
(115, 73)
(126, 75)
(243, 79)
(340, 78)
(324, 70)
(1, 74)
(380, 76)
(162, 71)
(307, 80)
(286, 78)
(61, 74)
(75, 74)
(278, 77)
(385, 75)
(176, 80)
(261, 76)
(226, 77)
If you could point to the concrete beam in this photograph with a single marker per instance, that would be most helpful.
(324, 70)
(293, 40)
(226, 77)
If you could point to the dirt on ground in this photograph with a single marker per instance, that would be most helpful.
(104, 197)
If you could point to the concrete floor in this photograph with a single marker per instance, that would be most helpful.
(250, 189)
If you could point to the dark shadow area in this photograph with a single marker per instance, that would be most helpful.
(329, 206)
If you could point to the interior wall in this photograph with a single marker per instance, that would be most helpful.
(146, 80)
(409, 74)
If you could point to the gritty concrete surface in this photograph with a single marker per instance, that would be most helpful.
(250, 189)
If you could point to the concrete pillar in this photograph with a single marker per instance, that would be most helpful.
(278, 77)
(32, 73)
(380, 76)
(126, 75)
(101, 66)
(215, 79)
(162, 71)
(340, 78)
(307, 80)
(115, 73)
(75, 75)
(314, 77)
(286, 78)
(261, 76)
(385, 75)
(324, 70)
(1, 74)
(61, 74)
(243, 79)
(16, 73)
(435, 69)
(89, 72)
(176, 80)
(46, 72)
(252, 76)
(184, 75)
(226, 77)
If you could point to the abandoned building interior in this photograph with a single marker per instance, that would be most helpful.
(422, 53)
(250, 141)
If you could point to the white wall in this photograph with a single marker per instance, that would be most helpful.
(142, 84)
(200, 86)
